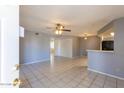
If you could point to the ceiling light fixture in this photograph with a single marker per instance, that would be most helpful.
(85, 36)
(112, 33)
(58, 32)
(61, 27)
(102, 37)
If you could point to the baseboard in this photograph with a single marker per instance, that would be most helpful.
(106, 74)
(77, 57)
(69, 57)
(37, 61)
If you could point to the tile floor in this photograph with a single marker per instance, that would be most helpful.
(65, 73)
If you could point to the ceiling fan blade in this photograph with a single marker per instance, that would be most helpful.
(66, 30)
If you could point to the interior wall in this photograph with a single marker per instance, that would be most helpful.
(76, 47)
(34, 48)
(92, 43)
(111, 63)
(57, 47)
(63, 47)
(119, 46)
(106, 36)
(67, 47)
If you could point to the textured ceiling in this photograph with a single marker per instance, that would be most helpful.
(80, 19)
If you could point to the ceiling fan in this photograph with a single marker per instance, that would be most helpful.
(59, 29)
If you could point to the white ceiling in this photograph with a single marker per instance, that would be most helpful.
(80, 19)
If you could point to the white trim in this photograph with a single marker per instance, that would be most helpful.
(63, 56)
(2, 51)
(69, 57)
(106, 74)
(37, 61)
(75, 57)
(79, 57)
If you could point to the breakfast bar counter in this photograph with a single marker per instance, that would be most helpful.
(100, 51)
(101, 61)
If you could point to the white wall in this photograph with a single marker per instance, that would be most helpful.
(57, 47)
(67, 47)
(92, 43)
(63, 47)
(75, 47)
(34, 48)
(110, 63)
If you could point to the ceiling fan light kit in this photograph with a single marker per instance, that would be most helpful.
(58, 32)
(85, 36)
(59, 29)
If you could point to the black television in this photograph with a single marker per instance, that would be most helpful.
(108, 45)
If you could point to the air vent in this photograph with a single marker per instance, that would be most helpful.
(36, 33)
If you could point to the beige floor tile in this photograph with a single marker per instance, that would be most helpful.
(120, 83)
(86, 83)
(66, 73)
(60, 84)
(37, 85)
(109, 84)
(81, 86)
(95, 86)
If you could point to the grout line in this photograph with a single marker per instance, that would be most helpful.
(36, 76)
(116, 82)
(29, 83)
(26, 79)
(84, 77)
(33, 75)
(92, 81)
(104, 81)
